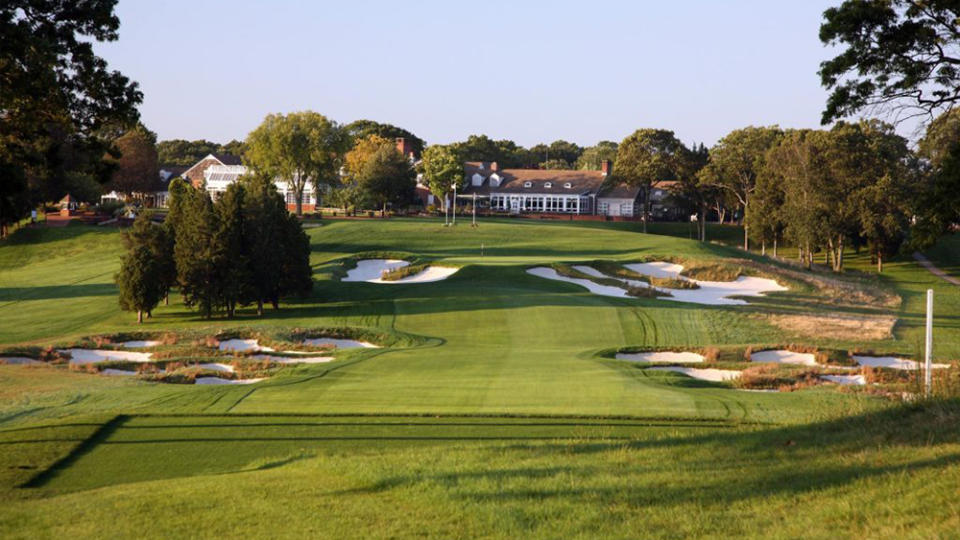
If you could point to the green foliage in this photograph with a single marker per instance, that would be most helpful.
(592, 157)
(898, 55)
(300, 148)
(387, 177)
(59, 99)
(938, 197)
(232, 241)
(143, 269)
(442, 169)
(196, 253)
(360, 129)
(647, 157)
(186, 153)
(135, 169)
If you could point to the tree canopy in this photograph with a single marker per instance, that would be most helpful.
(902, 56)
(298, 148)
(442, 169)
(593, 156)
(360, 129)
(60, 101)
(136, 169)
(647, 157)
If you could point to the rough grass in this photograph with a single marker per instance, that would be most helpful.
(638, 292)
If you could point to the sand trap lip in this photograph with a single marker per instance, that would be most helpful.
(371, 271)
(217, 366)
(111, 371)
(892, 362)
(845, 379)
(602, 290)
(218, 380)
(339, 343)
(716, 293)
(297, 360)
(93, 356)
(784, 357)
(139, 344)
(20, 361)
(242, 345)
(710, 292)
(666, 357)
(709, 374)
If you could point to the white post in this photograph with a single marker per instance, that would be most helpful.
(446, 209)
(454, 204)
(474, 224)
(928, 354)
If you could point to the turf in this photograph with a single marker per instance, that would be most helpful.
(499, 420)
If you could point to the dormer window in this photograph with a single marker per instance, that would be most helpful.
(568, 185)
(527, 184)
(548, 185)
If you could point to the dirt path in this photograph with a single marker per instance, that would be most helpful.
(925, 262)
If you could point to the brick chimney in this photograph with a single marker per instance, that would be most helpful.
(606, 166)
(404, 147)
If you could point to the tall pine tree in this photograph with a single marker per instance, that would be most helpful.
(232, 249)
(195, 253)
(140, 279)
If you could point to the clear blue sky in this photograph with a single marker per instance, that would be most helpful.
(528, 71)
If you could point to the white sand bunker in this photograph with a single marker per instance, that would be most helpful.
(845, 379)
(339, 343)
(216, 366)
(20, 361)
(710, 374)
(371, 271)
(122, 372)
(93, 356)
(242, 345)
(218, 380)
(139, 344)
(784, 357)
(296, 360)
(595, 288)
(892, 362)
(709, 292)
(665, 357)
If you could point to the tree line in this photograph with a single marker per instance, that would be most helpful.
(243, 249)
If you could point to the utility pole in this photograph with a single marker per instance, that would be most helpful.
(928, 353)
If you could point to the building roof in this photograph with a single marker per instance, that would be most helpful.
(619, 191)
(228, 159)
(561, 182)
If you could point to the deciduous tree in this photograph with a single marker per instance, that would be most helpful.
(442, 169)
(646, 158)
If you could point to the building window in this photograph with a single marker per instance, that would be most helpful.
(568, 185)
(527, 184)
(548, 185)
(604, 208)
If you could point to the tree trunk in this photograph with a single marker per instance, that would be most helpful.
(746, 227)
(383, 213)
(166, 299)
(646, 202)
(139, 316)
(763, 247)
(838, 257)
(774, 245)
(879, 262)
(259, 307)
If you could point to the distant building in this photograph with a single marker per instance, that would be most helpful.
(196, 174)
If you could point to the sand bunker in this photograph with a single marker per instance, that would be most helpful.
(93, 356)
(218, 380)
(710, 374)
(139, 344)
(603, 290)
(111, 371)
(216, 366)
(371, 271)
(242, 345)
(892, 362)
(19, 361)
(297, 360)
(845, 379)
(784, 357)
(665, 357)
(339, 343)
(709, 292)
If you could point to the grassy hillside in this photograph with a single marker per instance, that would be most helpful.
(490, 415)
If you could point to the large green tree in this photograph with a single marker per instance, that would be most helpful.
(938, 191)
(902, 56)
(233, 253)
(646, 158)
(58, 99)
(387, 177)
(593, 157)
(299, 148)
(140, 280)
(442, 169)
(735, 163)
(136, 170)
(359, 129)
(196, 252)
